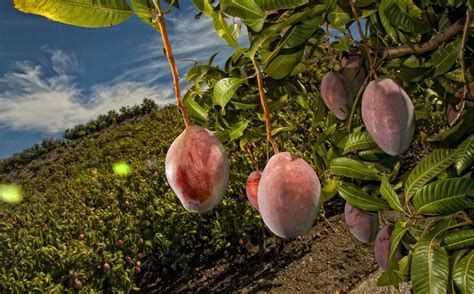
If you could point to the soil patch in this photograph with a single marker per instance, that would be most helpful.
(326, 260)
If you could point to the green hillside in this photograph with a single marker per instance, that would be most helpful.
(78, 218)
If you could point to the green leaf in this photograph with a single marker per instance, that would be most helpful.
(329, 190)
(224, 90)
(243, 106)
(200, 71)
(364, 3)
(84, 13)
(465, 155)
(389, 194)
(344, 43)
(283, 64)
(278, 130)
(459, 239)
(237, 130)
(280, 4)
(430, 264)
(391, 30)
(351, 168)
(453, 260)
(427, 169)
(194, 109)
(456, 75)
(374, 154)
(398, 233)
(319, 111)
(444, 196)
(444, 58)
(326, 134)
(388, 278)
(204, 6)
(338, 17)
(406, 16)
(299, 33)
(411, 75)
(223, 29)
(456, 134)
(275, 29)
(464, 273)
(356, 141)
(360, 199)
(145, 11)
(247, 10)
(404, 265)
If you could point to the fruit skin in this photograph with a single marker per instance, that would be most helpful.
(337, 94)
(197, 169)
(106, 266)
(354, 71)
(460, 92)
(289, 195)
(363, 225)
(388, 115)
(382, 247)
(77, 284)
(251, 187)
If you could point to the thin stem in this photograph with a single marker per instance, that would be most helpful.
(356, 102)
(169, 55)
(364, 39)
(329, 223)
(328, 37)
(170, 6)
(263, 101)
(462, 61)
(466, 93)
(252, 158)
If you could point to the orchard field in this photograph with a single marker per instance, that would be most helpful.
(355, 120)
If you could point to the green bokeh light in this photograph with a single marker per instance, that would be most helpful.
(122, 168)
(10, 193)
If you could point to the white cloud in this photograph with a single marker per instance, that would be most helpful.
(46, 98)
(193, 40)
(53, 103)
(63, 63)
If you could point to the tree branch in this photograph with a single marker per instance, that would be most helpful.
(432, 44)
(462, 61)
(393, 52)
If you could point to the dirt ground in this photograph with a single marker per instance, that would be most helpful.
(326, 260)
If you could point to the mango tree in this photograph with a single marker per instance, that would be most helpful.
(399, 72)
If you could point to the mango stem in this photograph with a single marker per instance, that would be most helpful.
(263, 101)
(169, 54)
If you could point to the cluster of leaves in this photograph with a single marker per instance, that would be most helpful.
(432, 204)
(433, 201)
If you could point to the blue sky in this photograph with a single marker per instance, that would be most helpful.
(54, 76)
